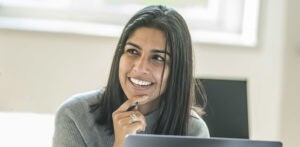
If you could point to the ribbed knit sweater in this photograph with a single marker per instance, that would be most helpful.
(75, 124)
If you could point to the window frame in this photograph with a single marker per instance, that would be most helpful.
(247, 36)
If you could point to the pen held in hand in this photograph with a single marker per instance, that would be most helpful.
(131, 107)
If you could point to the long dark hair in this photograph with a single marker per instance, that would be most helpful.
(178, 98)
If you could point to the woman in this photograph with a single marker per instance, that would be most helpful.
(152, 68)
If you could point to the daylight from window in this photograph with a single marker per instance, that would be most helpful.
(210, 21)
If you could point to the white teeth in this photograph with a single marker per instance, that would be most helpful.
(139, 82)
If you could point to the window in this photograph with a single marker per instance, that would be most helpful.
(210, 21)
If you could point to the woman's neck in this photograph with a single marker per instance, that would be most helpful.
(149, 107)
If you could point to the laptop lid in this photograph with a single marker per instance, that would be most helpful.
(142, 140)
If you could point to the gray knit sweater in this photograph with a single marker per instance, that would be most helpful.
(75, 125)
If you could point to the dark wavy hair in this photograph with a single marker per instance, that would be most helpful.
(178, 99)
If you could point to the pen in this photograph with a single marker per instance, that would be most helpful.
(132, 106)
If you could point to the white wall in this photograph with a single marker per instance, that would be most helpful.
(261, 66)
(290, 127)
(40, 70)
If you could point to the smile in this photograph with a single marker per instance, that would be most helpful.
(139, 82)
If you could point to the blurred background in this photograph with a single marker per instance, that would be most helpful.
(53, 49)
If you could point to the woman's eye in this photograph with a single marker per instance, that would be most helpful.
(132, 51)
(159, 58)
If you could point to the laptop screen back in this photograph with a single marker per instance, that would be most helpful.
(188, 141)
(226, 112)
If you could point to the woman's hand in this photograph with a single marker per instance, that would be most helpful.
(124, 124)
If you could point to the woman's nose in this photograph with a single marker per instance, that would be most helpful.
(141, 65)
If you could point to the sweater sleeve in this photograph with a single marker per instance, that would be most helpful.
(197, 126)
(66, 133)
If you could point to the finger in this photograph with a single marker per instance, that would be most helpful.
(128, 120)
(124, 118)
(136, 127)
(121, 115)
(141, 118)
(129, 102)
(121, 112)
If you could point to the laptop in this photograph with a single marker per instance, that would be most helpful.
(142, 140)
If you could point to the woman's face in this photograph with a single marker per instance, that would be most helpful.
(141, 65)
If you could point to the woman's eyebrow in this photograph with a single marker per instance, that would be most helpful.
(133, 44)
(161, 51)
(154, 50)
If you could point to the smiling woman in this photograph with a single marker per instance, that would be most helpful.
(141, 67)
(150, 89)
